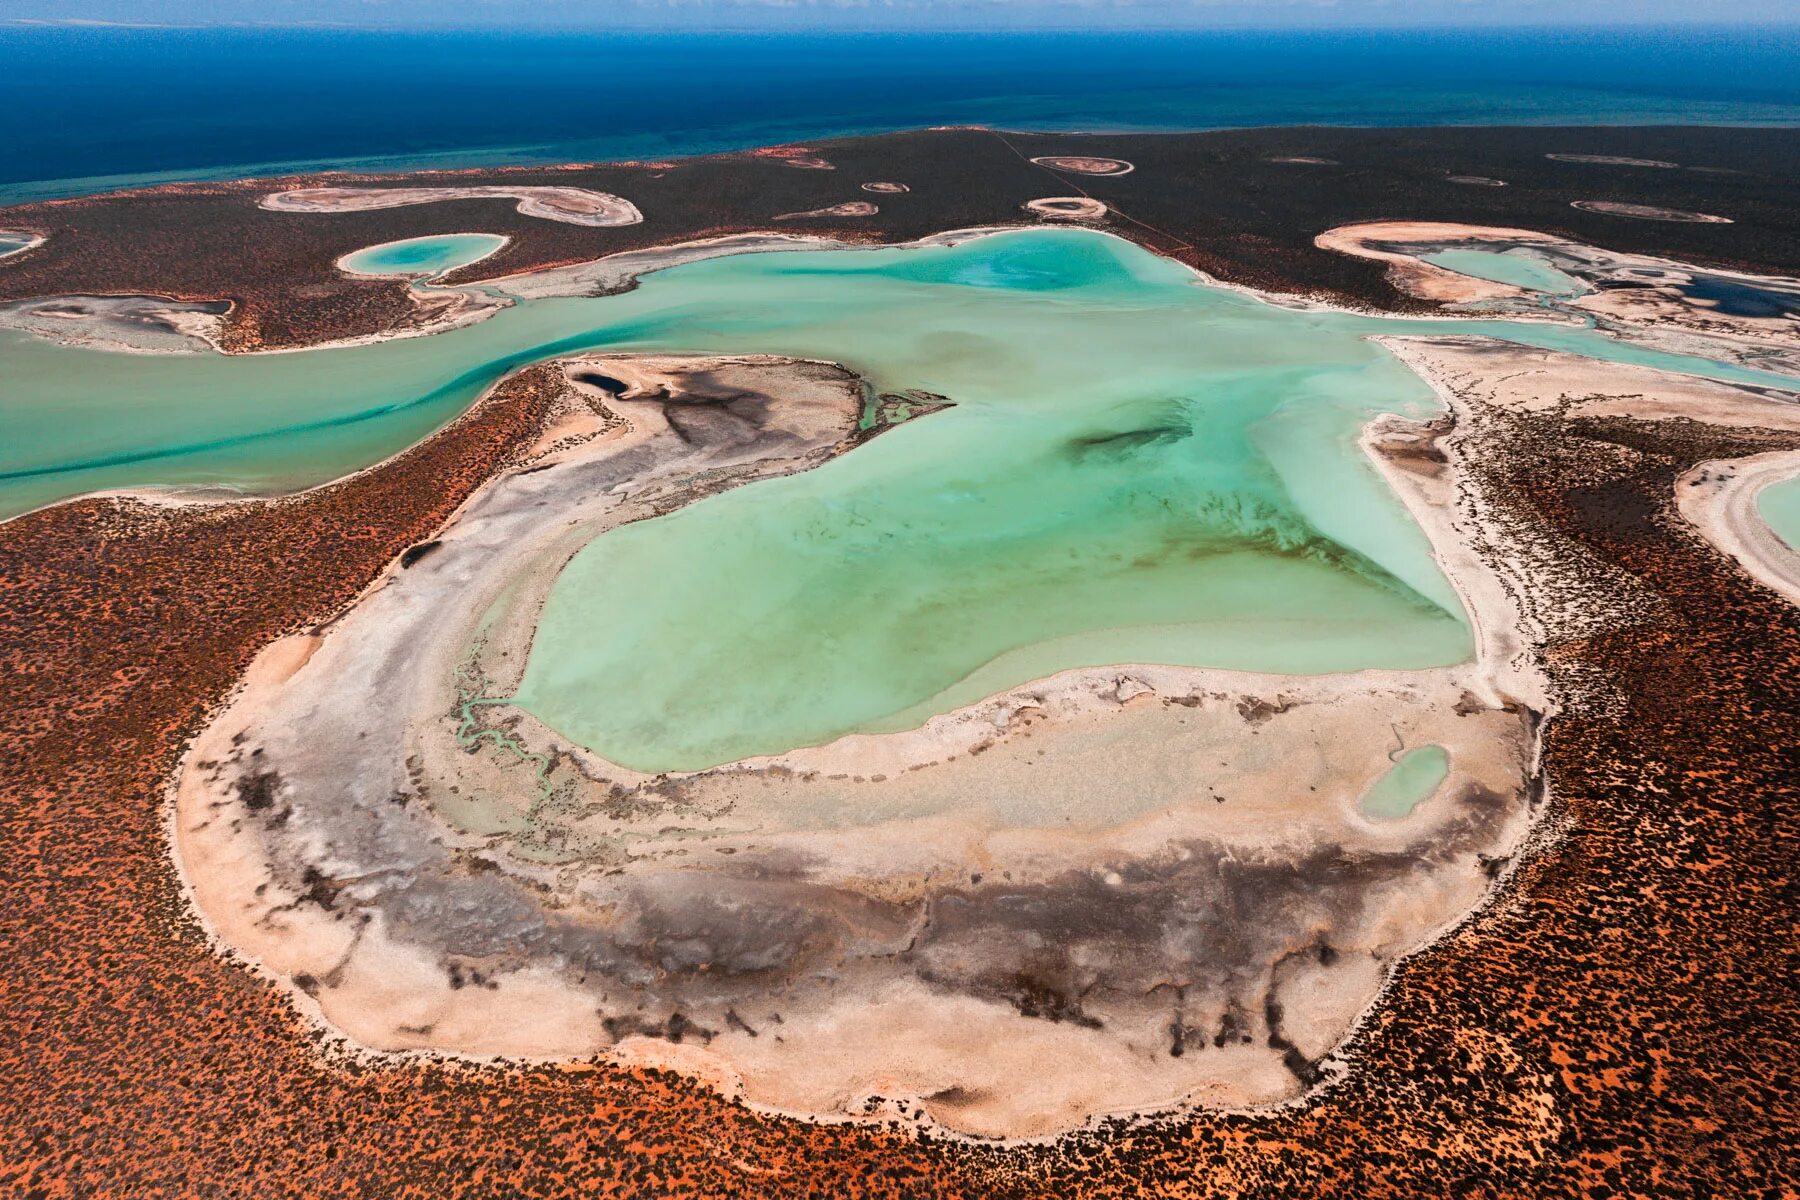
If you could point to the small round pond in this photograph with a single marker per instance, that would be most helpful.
(426, 257)
(1407, 784)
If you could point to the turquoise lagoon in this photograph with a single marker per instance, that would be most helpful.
(1778, 505)
(426, 257)
(1515, 268)
(1139, 468)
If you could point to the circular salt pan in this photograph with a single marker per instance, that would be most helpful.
(1647, 212)
(1068, 208)
(853, 208)
(1082, 164)
(1611, 160)
(570, 205)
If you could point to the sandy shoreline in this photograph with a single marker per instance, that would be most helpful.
(831, 1062)
(1418, 278)
(1719, 499)
(1634, 295)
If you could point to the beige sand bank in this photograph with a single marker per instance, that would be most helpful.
(1067, 208)
(1719, 499)
(570, 205)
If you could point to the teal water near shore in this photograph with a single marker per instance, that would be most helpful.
(423, 256)
(1779, 507)
(1518, 270)
(1407, 784)
(1139, 468)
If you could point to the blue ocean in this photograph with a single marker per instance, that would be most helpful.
(85, 109)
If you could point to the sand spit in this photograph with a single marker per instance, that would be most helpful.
(850, 208)
(1067, 208)
(1647, 212)
(1085, 164)
(1611, 160)
(138, 324)
(1157, 880)
(570, 205)
(618, 271)
(1475, 180)
(886, 189)
(18, 241)
(1719, 499)
(1410, 274)
(1669, 303)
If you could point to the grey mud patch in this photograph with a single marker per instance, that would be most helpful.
(146, 324)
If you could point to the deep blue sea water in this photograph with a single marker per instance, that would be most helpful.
(87, 109)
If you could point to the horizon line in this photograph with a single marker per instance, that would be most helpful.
(81, 24)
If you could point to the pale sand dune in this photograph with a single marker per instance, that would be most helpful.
(571, 205)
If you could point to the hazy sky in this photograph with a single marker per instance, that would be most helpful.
(924, 14)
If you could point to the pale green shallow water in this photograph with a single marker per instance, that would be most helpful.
(1139, 468)
(1779, 506)
(1407, 784)
(1516, 269)
(426, 256)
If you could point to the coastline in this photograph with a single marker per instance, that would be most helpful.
(1718, 498)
